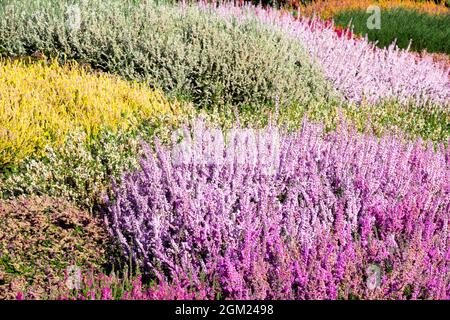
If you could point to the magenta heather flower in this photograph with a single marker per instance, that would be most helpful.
(299, 216)
(106, 294)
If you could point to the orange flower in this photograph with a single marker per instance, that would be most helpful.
(327, 9)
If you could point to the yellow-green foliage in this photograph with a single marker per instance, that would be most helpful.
(41, 102)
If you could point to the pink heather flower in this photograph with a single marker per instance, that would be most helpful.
(334, 204)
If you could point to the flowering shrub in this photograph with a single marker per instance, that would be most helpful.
(39, 238)
(98, 286)
(81, 172)
(243, 59)
(327, 9)
(73, 171)
(358, 69)
(41, 103)
(259, 210)
(306, 215)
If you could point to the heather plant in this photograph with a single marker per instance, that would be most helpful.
(183, 50)
(81, 172)
(264, 214)
(98, 286)
(410, 120)
(40, 238)
(41, 102)
(359, 70)
(256, 201)
(74, 171)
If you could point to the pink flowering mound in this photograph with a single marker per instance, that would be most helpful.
(357, 68)
(303, 215)
(98, 286)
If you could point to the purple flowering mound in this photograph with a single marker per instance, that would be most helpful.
(253, 214)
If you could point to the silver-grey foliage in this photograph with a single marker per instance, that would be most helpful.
(187, 51)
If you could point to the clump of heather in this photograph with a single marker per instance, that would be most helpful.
(357, 68)
(98, 286)
(303, 215)
(182, 50)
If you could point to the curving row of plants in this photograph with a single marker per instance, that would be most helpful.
(43, 101)
(68, 145)
(242, 56)
(357, 69)
(270, 196)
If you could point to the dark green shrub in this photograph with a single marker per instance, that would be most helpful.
(430, 32)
